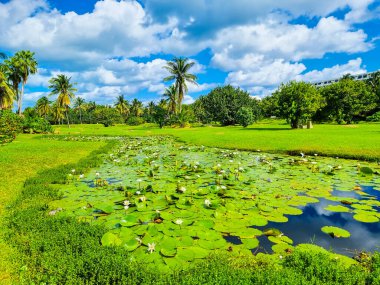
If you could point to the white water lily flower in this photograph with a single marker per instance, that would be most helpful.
(178, 222)
(280, 256)
(313, 162)
(222, 172)
(139, 240)
(126, 203)
(315, 154)
(223, 187)
(97, 174)
(151, 247)
(73, 170)
(231, 161)
(142, 198)
(241, 169)
(126, 207)
(207, 202)
(81, 176)
(138, 192)
(182, 189)
(139, 180)
(218, 165)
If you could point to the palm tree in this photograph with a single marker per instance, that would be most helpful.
(57, 112)
(179, 68)
(62, 87)
(11, 69)
(3, 55)
(171, 94)
(163, 104)
(79, 105)
(27, 65)
(136, 108)
(43, 106)
(6, 93)
(122, 105)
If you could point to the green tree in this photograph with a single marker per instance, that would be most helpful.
(245, 117)
(223, 103)
(3, 55)
(160, 116)
(7, 95)
(348, 99)
(43, 106)
(57, 113)
(179, 70)
(374, 84)
(136, 108)
(299, 102)
(171, 98)
(27, 65)
(61, 86)
(80, 106)
(107, 116)
(122, 106)
(12, 72)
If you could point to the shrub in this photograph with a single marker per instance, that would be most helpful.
(245, 116)
(36, 125)
(374, 118)
(10, 126)
(107, 116)
(135, 121)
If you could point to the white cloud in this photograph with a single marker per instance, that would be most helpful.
(353, 67)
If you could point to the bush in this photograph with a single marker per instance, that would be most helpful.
(245, 117)
(374, 118)
(135, 121)
(36, 125)
(107, 116)
(10, 126)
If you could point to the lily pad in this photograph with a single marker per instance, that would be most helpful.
(336, 232)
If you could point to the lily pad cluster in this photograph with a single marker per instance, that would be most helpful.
(171, 203)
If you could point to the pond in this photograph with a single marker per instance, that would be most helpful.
(171, 203)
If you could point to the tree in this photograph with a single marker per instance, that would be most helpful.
(122, 106)
(62, 87)
(160, 116)
(12, 72)
(171, 99)
(223, 103)
(245, 117)
(3, 55)
(299, 102)
(7, 95)
(107, 116)
(43, 106)
(27, 65)
(348, 99)
(80, 106)
(179, 70)
(57, 112)
(136, 108)
(374, 84)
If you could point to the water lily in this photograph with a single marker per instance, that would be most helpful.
(182, 189)
(302, 154)
(207, 203)
(97, 174)
(126, 203)
(142, 199)
(81, 176)
(178, 222)
(151, 247)
(73, 170)
(138, 192)
(139, 240)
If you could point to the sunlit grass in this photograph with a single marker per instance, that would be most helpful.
(353, 141)
(24, 158)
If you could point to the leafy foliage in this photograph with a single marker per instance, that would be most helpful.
(222, 105)
(245, 117)
(10, 126)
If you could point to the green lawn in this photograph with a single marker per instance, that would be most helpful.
(351, 141)
(24, 158)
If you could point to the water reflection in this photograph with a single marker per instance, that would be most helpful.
(306, 228)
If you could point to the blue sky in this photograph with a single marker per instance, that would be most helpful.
(114, 47)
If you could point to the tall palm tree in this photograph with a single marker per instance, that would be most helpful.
(62, 87)
(27, 65)
(6, 93)
(43, 106)
(136, 108)
(79, 105)
(57, 112)
(163, 104)
(179, 70)
(122, 105)
(172, 98)
(11, 69)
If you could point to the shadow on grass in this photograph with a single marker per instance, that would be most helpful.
(267, 129)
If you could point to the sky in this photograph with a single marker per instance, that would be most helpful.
(115, 47)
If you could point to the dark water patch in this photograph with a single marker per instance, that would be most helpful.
(233, 239)
(306, 228)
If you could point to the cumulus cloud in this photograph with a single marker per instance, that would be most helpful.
(353, 67)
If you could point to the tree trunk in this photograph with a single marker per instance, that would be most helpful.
(294, 124)
(67, 117)
(19, 102)
(80, 116)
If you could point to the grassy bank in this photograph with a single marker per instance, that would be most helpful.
(24, 158)
(360, 141)
(60, 250)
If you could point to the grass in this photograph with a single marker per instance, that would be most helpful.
(24, 158)
(61, 250)
(359, 141)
